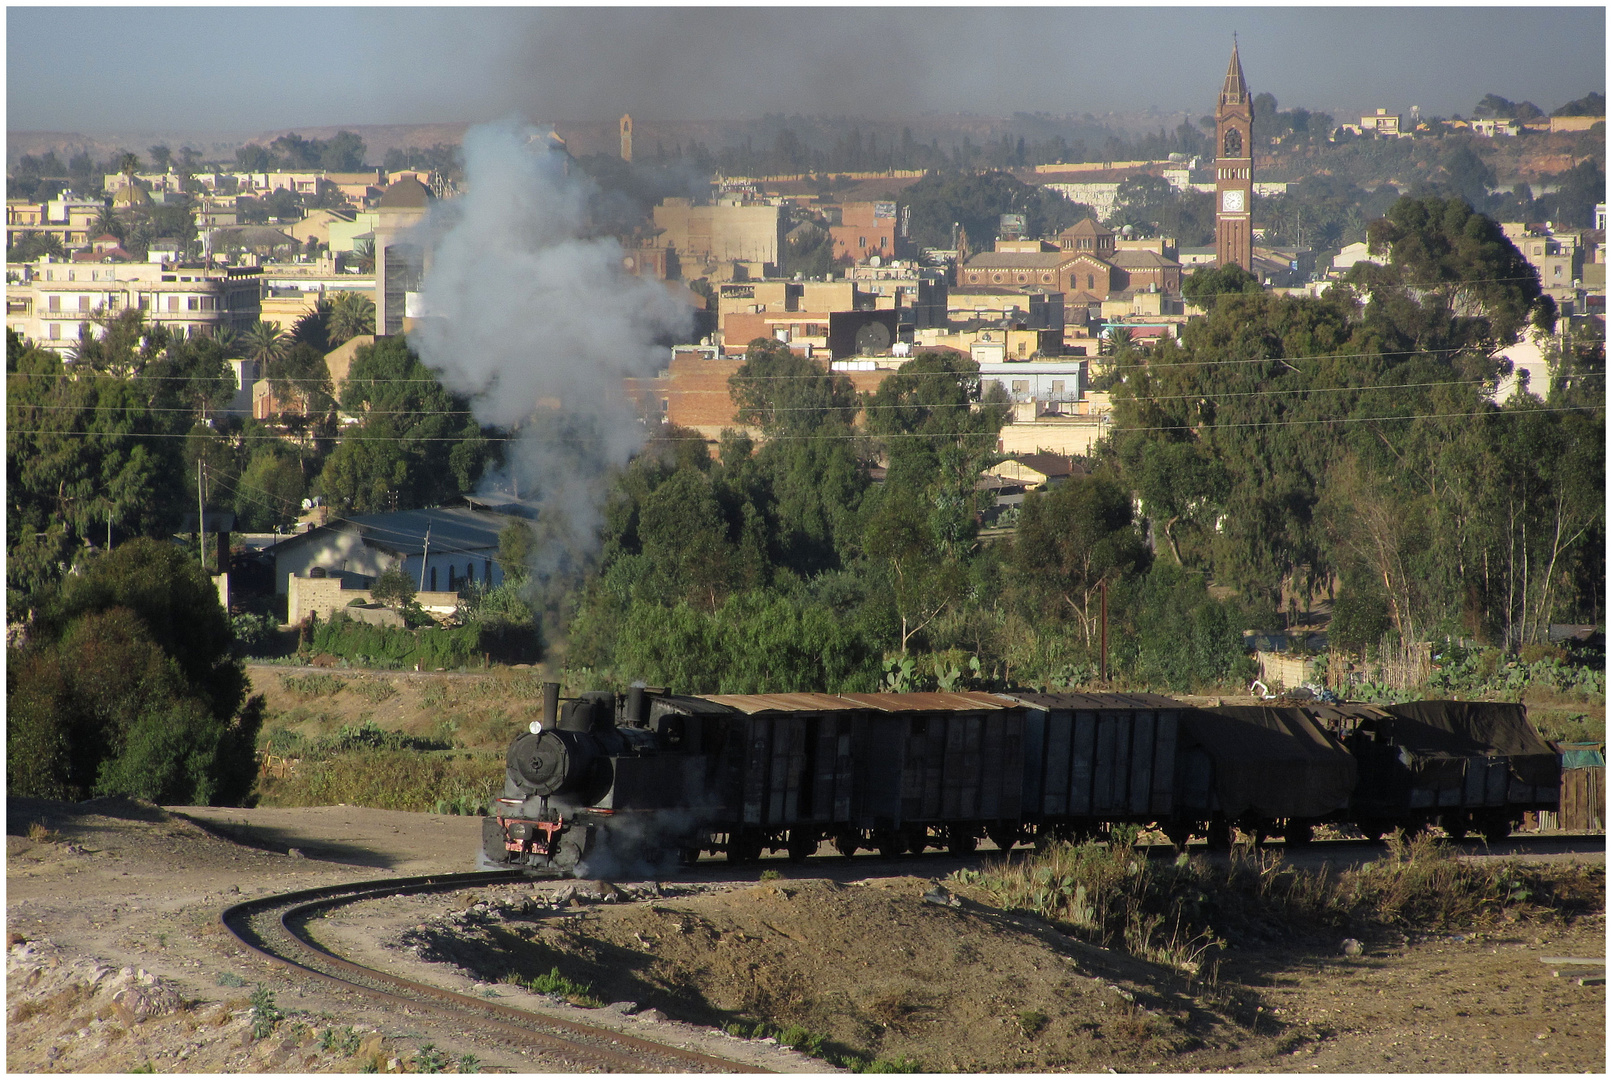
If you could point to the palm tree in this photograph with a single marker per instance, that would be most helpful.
(314, 327)
(351, 314)
(263, 342)
(228, 340)
(107, 222)
(128, 165)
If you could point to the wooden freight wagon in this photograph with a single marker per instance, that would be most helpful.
(937, 768)
(1093, 758)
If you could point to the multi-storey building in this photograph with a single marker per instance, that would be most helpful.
(51, 303)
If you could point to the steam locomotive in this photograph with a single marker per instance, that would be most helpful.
(609, 782)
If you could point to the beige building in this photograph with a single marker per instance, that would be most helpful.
(1557, 256)
(49, 302)
(730, 230)
(69, 218)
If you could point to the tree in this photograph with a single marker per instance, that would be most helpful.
(976, 202)
(253, 158)
(515, 543)
(1444, 249)
(125, 684)
(264, 343)
(300, 380)
(270, 490)
(161, 157)
(1206, 284)
(351, 315)
(1071, 541)
(393, 588)
(1591, 104)
(128, 165)
(417, 445)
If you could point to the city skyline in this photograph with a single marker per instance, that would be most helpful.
(368, 66)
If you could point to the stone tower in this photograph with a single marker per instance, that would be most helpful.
(626, 138)
(1234, 169)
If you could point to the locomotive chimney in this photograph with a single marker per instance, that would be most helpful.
(635, 704)
(551, 705)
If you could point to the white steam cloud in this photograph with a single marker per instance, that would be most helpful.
(536, 322)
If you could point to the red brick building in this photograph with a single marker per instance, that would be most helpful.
(865, 229)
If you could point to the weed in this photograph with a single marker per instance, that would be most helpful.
(469, 1063)
(148, 1067)
(264, 1013)
(375, 691)
(430, 1059)
(162, 941)
(344, 1042)
(1180, 913)
(316, 684)
(229, 978)
(771, 875)
(40, 834)
(1032, 1022)
(554, 983)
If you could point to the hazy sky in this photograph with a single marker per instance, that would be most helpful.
(239, 68)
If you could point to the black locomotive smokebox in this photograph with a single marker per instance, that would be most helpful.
(549, 762)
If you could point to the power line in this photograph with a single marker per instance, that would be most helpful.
(1497, 412)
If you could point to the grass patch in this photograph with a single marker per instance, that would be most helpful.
(1178, 913)
(554, 983)
(40, 833)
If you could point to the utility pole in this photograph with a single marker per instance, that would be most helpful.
(425, 557)
(201, 511)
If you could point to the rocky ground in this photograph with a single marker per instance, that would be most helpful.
(116, 961)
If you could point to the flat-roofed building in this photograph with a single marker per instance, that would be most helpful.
(51, 303)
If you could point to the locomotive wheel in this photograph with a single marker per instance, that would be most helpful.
(1178, 833)
(962, 843)
(802, 843)
(889, 844)
(1455, 825)
(846, 844)
(688, 856)
(1298, 833)
(1373, 830)
(1219, 835)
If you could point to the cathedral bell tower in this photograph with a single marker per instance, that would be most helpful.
(1234, 170)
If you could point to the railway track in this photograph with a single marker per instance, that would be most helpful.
(275, 928)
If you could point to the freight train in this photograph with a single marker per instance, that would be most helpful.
(606, 781)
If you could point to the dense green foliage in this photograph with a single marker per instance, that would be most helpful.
(1350, 438)
(975, 202)
(125, 684)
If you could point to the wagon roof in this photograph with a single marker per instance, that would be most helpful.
(956, 702)
(1098, 701)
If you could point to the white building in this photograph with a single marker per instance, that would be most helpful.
(50, 302)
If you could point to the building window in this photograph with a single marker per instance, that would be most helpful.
(487, 571)
(1234, 143)
(83, 303)
(55, 331)
(451, 585)
(433, 579)
(55, 304)
(1091, 281)
(470, 573)
(1057, 386)
(861, 241)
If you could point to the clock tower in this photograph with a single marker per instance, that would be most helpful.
(1234, 170)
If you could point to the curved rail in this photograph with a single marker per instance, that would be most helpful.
(267, 926)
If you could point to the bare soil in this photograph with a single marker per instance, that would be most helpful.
(116, 960)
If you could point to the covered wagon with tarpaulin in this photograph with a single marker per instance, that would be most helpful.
(1463, 765)
(1263, 769)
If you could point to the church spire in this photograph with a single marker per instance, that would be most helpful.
(1235, 89)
